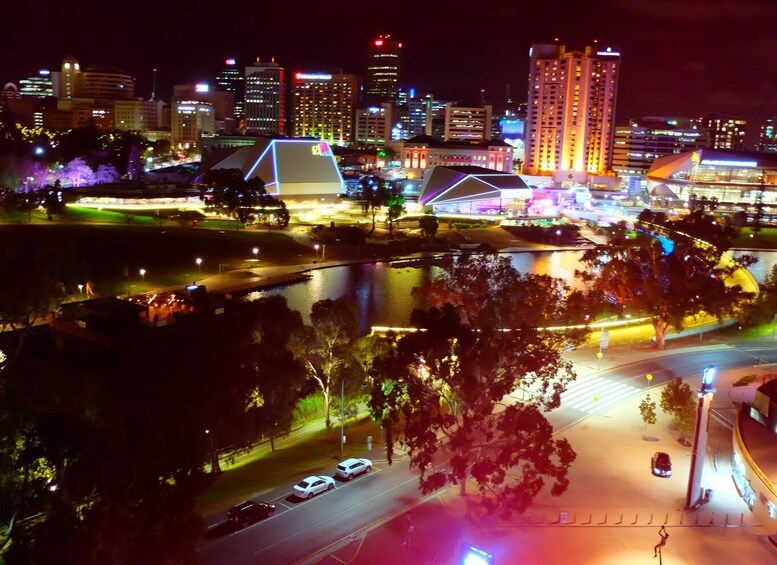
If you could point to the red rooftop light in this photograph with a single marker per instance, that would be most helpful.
(378, 42)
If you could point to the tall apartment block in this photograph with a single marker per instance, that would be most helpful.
(265, 98)
(324, 106)
(571, 111)
(383, 65)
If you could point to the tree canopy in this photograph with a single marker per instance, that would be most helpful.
(668, 277)
(447, 389)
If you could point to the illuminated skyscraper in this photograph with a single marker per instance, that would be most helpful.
(383, 66)
(571, 113)
(231, 79)
(40, 86)
(69, 77)
(324, 106)
(265, 98)
(724, 131)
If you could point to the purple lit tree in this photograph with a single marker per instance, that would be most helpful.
(77, 173)
(106, 174)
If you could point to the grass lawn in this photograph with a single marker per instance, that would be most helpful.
(310, 454)
(111, 256)
(766, 238)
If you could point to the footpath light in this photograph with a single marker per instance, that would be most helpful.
(695, 494)
(255, 251)
(471, 555)
(316, 247)
(198, 260)
(81, 289)
(649, 377)
(143, 274)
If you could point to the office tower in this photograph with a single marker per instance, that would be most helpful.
(571, 110)
(191, 119)
(373, 125)
(324, 106)
(418, 115)
(383, 66)
(724, 131)
(265, 98)
(767, 137)
(223, 101)
(467, 123)
(230, 78)
(638, 144)
(71, 70)
(40, 86)
(139, 115)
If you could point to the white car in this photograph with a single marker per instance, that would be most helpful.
(311, 486)
(349, 468)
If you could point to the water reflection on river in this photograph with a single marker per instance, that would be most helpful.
(383, 292)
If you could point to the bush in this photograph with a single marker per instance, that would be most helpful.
(309, 408)
(746, 380)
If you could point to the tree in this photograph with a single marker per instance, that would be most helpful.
(106, 174)
(445, 388)
(325, 345)
(429, 225)
(647, 409)
(668, 279)
(677, 401)
(276, 377)
(78, 173)
(227, 190)
(372, 196)
(395, 203)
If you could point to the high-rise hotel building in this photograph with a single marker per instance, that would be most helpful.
(231, 79)
(324, 106)
(265, 98)
(383, 64)
(571, 113)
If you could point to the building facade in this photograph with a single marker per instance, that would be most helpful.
(637, 146)
(471, 124)
(40, 86)
(324, 106)
(724, 131)
(264, 105)
(190, 120)
(383, 67)
(230, 79)
(139, 115)
(104, 83)
(767, 136)
(422, 153)
(373, 125)
(571, 111)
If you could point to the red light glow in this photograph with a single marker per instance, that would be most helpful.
(379, 42)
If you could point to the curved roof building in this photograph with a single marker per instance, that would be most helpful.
(754, 459)
(292, 169)
(472, 189)
(733, 177)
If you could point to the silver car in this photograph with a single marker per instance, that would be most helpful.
(349, 468)
(311, 486)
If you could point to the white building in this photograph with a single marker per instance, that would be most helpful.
(463, 123)
(265, 98)
(373, 125)
(422, 153)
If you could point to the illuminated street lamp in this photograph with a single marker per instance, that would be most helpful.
(706, 391)
(81, 289)
(143, 274)
(316, 247)
(558, 235)
(255, 251)
(198, 260)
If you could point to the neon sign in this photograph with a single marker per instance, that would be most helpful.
(313, 76)
(230, 62)
(321, 149)
(201, 87)
(723, 163)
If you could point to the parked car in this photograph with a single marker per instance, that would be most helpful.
(249, 512)
(661, 464)
(311, 486)
(349, 468)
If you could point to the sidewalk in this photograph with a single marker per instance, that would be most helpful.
(610, 513)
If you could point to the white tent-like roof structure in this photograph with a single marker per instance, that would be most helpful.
(446, 185)
(292, 169)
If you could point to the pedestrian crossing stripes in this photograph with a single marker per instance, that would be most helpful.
(596, 394)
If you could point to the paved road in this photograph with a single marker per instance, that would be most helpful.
(302, 528)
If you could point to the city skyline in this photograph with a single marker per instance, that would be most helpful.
(677, 60)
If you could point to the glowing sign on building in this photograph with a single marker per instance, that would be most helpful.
(313, 76)
(201, 87)
(608, 53)
(230, 62)
(725, 163)
(321, 149)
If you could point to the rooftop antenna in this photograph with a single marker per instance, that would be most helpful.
(153, 85)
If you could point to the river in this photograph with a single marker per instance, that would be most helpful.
(383, 290)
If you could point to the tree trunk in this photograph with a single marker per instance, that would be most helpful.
(215, 467)
(373, 221)
(327, 421)
(272, 440)
(661, 331)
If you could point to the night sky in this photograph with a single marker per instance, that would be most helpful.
(680, 57)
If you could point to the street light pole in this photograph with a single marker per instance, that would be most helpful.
(706, 392)
(342, 417)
